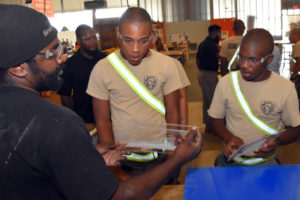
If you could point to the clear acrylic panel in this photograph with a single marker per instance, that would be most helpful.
(147, 136)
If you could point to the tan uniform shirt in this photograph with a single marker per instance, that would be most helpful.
(183, 77)
(157, 73)
(273, 100)
(229, 47)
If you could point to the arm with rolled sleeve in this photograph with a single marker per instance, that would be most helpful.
(171, 94)
(291, 118)
(101, 106)
(183, 106)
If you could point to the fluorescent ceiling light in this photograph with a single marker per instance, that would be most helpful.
(110, 12)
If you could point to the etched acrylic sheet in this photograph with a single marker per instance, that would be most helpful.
(147, 136)
(251, 146)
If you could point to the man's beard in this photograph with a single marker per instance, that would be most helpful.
(217, 40)
(47, 81)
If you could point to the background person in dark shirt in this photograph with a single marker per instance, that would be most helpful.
(38, 160)
(207, 61)
(77, 73)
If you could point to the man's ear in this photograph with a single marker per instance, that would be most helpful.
(19, 71)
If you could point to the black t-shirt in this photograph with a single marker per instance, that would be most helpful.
(207, 55)
(46, 152)
(76, 77)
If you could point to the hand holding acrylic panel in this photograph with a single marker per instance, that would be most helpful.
(147, 136)
(254, 145)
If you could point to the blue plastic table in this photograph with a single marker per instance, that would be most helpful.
(242, 183)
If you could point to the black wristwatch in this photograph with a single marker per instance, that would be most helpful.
(277, 141)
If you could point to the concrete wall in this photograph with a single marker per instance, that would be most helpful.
(196, 30)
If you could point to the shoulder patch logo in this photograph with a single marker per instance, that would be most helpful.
(150, 82)
(267, 107)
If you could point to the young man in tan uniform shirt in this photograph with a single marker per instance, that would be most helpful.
(271, 98)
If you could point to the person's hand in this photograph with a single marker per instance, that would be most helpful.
(190, 147)
(113, 155)
(175, 138)
(267, 147)
(234, 143)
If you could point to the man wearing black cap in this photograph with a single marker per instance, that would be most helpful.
(38, 160)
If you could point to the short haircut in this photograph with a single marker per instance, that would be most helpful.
(81, 28)
(135, 14)
(238, 25)
(261, 38)
(213, 28)
(295, 31)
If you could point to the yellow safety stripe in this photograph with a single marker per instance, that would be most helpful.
(135, 84)
(260, 124)
(257, 122)
(253, 160)
(142, 158)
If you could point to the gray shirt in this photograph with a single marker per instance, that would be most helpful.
(275, 64)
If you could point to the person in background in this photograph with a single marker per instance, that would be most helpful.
(207, 62)
(229, 47)
(294, 38)
(45, 150)
(77, 73)
(275, 64)
(250, 103)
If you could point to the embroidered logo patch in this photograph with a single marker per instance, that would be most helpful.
(232, 46)
(150, 82)
(267, 107)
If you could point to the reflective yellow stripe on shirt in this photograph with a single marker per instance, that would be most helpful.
(252, 161)
(260, 124)
(142, 158)
(135, 84)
